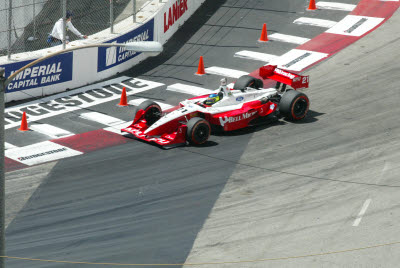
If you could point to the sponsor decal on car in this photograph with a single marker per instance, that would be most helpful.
(233, 119)
(239, 98)
(138, 133)
(282, 72)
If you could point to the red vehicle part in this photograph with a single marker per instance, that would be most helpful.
(294, 80)
(241, 118)
(174, 138)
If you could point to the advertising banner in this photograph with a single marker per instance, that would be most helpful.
(112, 56)
(52, 71)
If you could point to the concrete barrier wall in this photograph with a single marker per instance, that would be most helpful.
(81, 67)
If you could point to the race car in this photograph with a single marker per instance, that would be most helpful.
(245, 104)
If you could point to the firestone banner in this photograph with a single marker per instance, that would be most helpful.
(52, 71)
(112, 56)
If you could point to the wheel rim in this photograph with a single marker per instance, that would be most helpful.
(300, 108)
(201, 133)
(152, 115)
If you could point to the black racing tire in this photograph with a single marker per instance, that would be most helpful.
(247, 81)
(294, 105)
(152, 111)
(198, 131)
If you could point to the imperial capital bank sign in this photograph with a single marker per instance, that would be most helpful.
(112, 56)
(52, 71)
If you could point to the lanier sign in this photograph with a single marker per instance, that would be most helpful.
(174, 13)
(55, 70)
(112, 56)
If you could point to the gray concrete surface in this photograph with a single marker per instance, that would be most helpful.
(143, 205)
(20, 185)
(136, 203)
(301, 186)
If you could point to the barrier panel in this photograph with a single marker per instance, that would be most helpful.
(82, 67)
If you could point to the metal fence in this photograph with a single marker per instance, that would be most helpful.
(26, 24)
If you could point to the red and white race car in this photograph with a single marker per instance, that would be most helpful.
(246, 104)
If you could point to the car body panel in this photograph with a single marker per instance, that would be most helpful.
(237, 109)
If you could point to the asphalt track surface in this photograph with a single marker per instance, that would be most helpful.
(135, 203)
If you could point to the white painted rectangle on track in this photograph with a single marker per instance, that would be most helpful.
(335, 6)
(117, 128)
(355, 25)
(51, 131)
(101, 118)
(288, 38)
(75, 100)
(298, 59)
(187, 89)
(8, 146)
(164, 106)
(252, 55)
(40, 153)
(362, 212)
(225, 72)
(315, 22)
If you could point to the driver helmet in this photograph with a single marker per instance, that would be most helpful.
(212, 98)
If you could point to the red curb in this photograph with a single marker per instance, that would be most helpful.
(92, 140)
(12, 165)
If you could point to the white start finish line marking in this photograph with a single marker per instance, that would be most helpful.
(40, 153)
(188, 89)
(225, 72)
(101, 118)
(137, 102)
(355, 25)
(8, 146)
(335, 6)
(315, 22)
(51, 131)
(288, 38)
(252, 55)
(298, 59)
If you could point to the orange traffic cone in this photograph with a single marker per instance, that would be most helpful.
(123, 101)
(312, 5)
(263, 37)
(24, 123)
(200, 69)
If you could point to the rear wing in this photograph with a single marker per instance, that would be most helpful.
(294, 80)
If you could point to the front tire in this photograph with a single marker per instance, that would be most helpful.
(294, 105)
(152, 111)
(198, 131)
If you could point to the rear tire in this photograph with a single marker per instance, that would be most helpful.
(198, 131)
(152, 111)
(294, 105)
(247, 81)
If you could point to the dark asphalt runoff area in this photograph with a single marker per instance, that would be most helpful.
(136, 203)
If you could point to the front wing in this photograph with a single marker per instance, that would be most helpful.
(166, 140)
